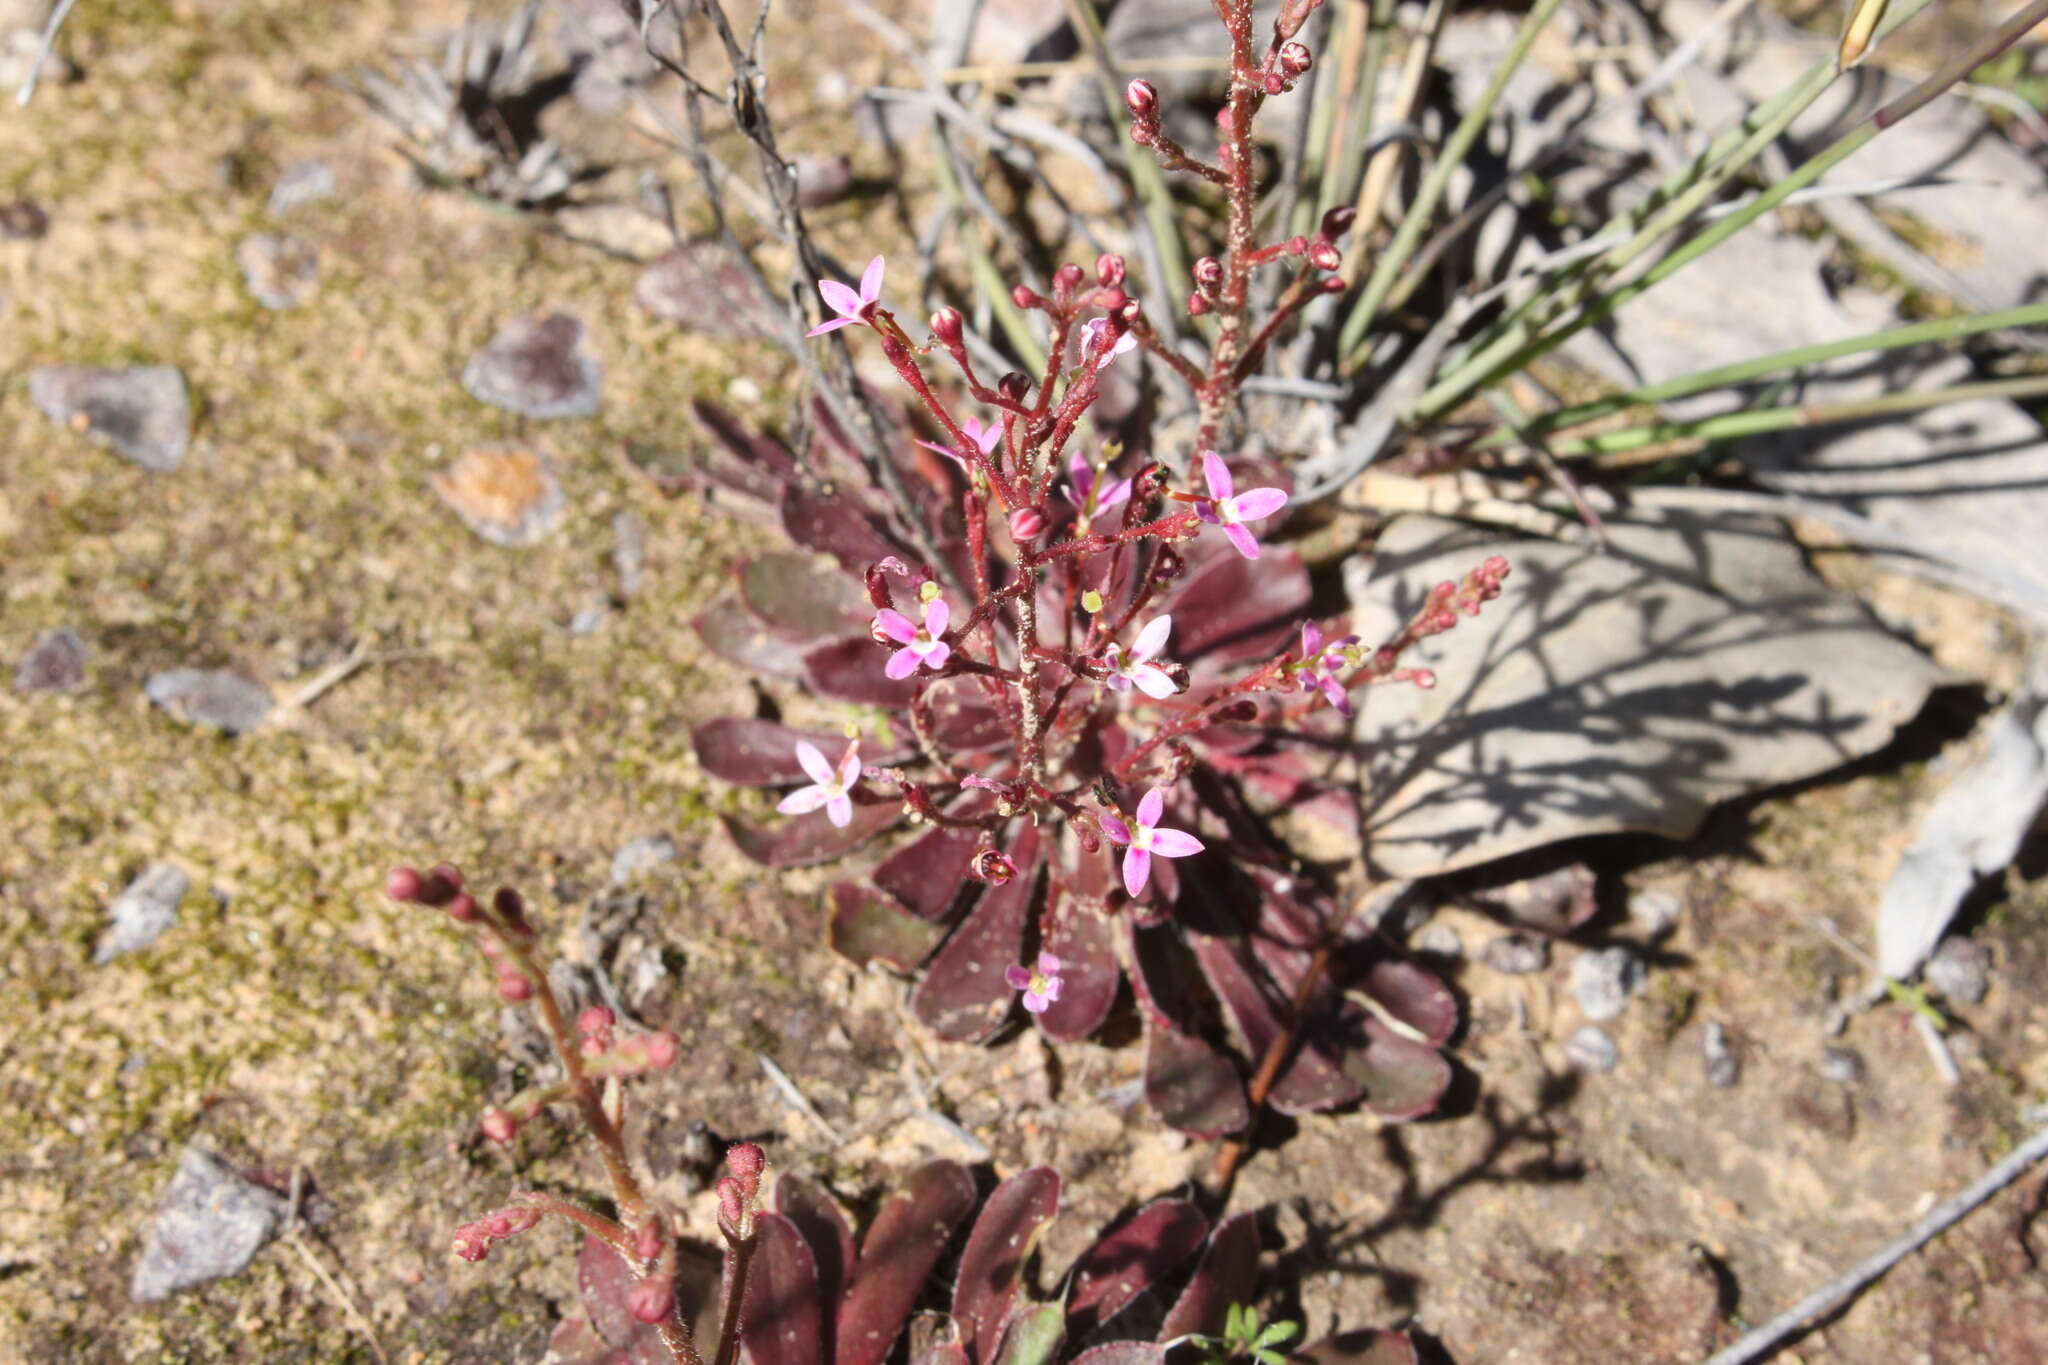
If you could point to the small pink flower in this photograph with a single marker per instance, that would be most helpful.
(1231, 512)
(850, 306)
(1088, 493)
(984, 438)
(1145, 838)
(1041, 985)
(828, 787)
(1091, 337)
(1141, 672)
(920, 646)
(1321, 664)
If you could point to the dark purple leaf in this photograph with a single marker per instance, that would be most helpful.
(1082, 938)
(963, 718)
(802, 840)
(1004, 1236)
(604, 1279)
(1311, 1081)
(902, 1245)
(1414, 995)
(748, 446)
(1362, 1348)
(760, 753)
(1229, 608)
(1130, 1260)
(1192, 1085)
(1403, 1079)
(1228, 1273)
(1121, 1353)
(963, 997)
(867, 927)
(794, 595)
(817, 1217)
(926, 873)
(1034, 1335)
(836, 525)
(575, 1342)
(780, 1322)
(851, 671)
(1160, 974)
(737, 636)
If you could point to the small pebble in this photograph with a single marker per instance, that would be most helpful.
(536, 367)
(302, 182)
(227, 701)
(1440, 940)
(23, 220)
(641, 855)
(822, 180)
(139, 915)
(629, 551)
(54, 663)
(1655, 912)
(1960, 970)
(1516, 954)
(1590, 1049)
(590, 618)
(280, 271)
(1603, 981)
(1724, 1068)
(140, 411)
(1554, 903)
(507, 494)
(1842, 1065)
(210, 1223)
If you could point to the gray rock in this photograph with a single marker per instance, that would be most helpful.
(536, 367)
(140, 411)
(629, 551)
(54, 663)
(509, 495)
(213, 696)
(280, 271)
(1440, 940)
(642, 855)
(210, 1223)
(140, 914)
(1555, 903)
(1655, 912)
(1604, 979)
(822, 180)
(1960, 969)
(1516, 954)
(700, 288)
(1724, 1068)
(1842, 1065)
(302, 182)
(1590, 1049)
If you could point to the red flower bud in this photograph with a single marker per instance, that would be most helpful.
(647, 1243)
(1208, 273)
(1338, 221)
(597, 1019)
(1295, 60)
(1112, 299)
(1109, 271)
(1297, 246)
(463, 910)
(946, 326)
(1275, 83)
(1027, 524)
(1024, 296)
(992, 866)
(1014, 386)
(1197, 305)
(652, 1299)
(1323, 255)
(498, 1125)
(1068, 278)
(746, 1161)
(1334, 284)
(514, 987)
(732, 1204)
(470, 1243)
(1237, 712)
(662, 1050)
(1142, 100)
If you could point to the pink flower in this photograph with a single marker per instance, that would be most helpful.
(1041, 985)
(828, 787)
(1145, 838)
(1089, 494)
(1091, 337)
(920, 646)
(984, 438)
(850, 306)
(1232, 512)
(1141, 672)
(1320, 665)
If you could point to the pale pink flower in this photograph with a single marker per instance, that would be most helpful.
(1088, 493)
(1040, 984)
(921, 645)
(1091, 337)
(1140, 672)
(850, 306)
(984, 438)
(1321, 664)
(1143, 838)
(829, 787)
(1231, 512)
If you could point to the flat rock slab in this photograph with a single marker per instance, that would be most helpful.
(536, 367)
(140, 914)
(507, 494)
(210, 1224)
(141, 411)
(54, 663)
(210, 696)
(1697, 660)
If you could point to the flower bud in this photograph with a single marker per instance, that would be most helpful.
(514, 987)
(946, 326)
(652, 1299)
(463, 910)
(470, 1243)
(1323, 255)
(498, 1125)
(597, 1019)
(1422, 678)
(746, 1161)
(1208, 273)
(992, 866)
(1109, 271)
(1338, 221)
(732, 1204)
(1295, 61)
(1112, 299)
(1024, 296)
(1198, 304)
(1014, 386)
(1275, 83)
(405, 885)
(647, 1242)
(1334, 284)
(1142, 100)
(1226, 118)
(1027, 524)
(1068, 278)
(1238, 712)
(662, 1050)
(511, 907)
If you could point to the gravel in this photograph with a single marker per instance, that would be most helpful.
(1605, 978)
(1516, 954)
(1960, 969)
(210, 1223)
(536, 367)
(141, 411)
(1842, 1065)
(210, 696)
(140, 915)
(54, 663)
(1590, 1049)
(1723, 1067)
(509, 495)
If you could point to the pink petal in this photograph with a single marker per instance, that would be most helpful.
(1120, 491)
(803, 800)
(842, 300)
(1113, 825)
(1218, 475)
(871, 282)
(901, 664)
(1080, 478)
(1152, 638)
(832, 326)
(849, 766)
(839, 810)
(1053, 988)
(812, 761)
(1048, 965)
(1137, 870)
(1035, 1002)
(1334, 692)
(1151, 808)
(1153, 681)
(936, 614)
(936, 656)
(1174, 843)
(1119, 681)
(946, 451)
(1254, 503)
(986, 437)
(896, 626)
(1311, 639)
(1017, 978)
(1247, 544)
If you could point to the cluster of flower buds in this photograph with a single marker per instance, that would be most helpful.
(472, 1241)
(1447, 604)
(504, 933)
(652, 1298)
(605, 1054)
(739, 1194)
